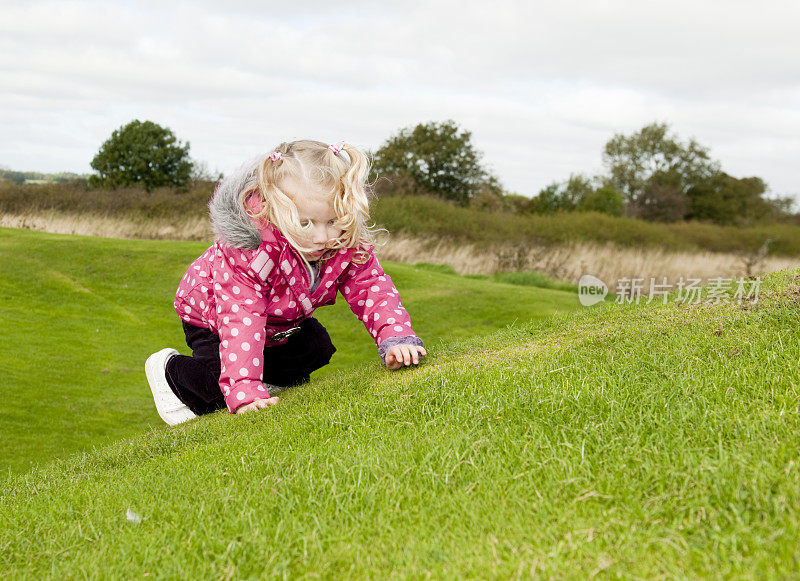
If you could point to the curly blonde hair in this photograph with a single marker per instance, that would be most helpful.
(343, 174)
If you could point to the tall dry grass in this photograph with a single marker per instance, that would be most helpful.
(189, 228)
(565, 261)
(569, 261)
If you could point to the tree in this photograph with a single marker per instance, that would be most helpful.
(438, 157)
(726, 200)
(605, 200)
(640, 161)
(142, 153)
(564, 196)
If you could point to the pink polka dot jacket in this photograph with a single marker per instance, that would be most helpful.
(247, 295)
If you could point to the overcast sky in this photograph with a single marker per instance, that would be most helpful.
(541, 85)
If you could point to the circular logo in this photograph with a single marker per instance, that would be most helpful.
(591, 290)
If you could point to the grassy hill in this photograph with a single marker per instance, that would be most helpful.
(630, 440)
(82, 314)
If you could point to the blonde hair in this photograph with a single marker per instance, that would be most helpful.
(344, 176)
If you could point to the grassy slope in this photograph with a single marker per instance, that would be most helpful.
(642, 441)
(82, 314)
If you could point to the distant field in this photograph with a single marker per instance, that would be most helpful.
(82, 314)
(623, 441)
(166, 214)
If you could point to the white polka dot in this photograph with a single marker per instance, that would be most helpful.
(232, 356)
(225, 343)
(226, 320)
(398, 328)
(261, 388)
(231, 261)
(383, 304)
(226, 390)
(204, 289)
(374, 272)
(275, 299)
(219, 309)
(245, 346)
(347, 290)
(247, 321)
(225, 297)
(236, 290)
(382, 278)
(235, 308)
(203, 273)
(234, 332)
(248, 301)
(374, 288)
(225, 276)
(376, 316)
(243, 371)
(369, 302)
(240, 396)
(256, 361)
(278, 312)
(217, 286)
(292, 304)
(292, 280)
(257, 337)
(187, 309)
(360, 303)
(329, 270)
(257, 286)
(186, 318)
(390, 320)
(374, 332)
(202, 304)
(329, 284)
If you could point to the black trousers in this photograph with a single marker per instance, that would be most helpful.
(195, 379)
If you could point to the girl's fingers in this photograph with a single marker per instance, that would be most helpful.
(406, 354)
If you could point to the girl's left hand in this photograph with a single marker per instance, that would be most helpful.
(257, 405)
(400, 355)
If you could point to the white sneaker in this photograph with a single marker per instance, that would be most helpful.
(169, 407)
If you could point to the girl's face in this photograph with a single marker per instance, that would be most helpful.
(316, 213)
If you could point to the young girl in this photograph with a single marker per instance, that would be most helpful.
(291, 231)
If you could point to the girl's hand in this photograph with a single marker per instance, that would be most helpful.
(400, 355)
(257, 405)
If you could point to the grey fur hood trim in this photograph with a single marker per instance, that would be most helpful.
(230, 222)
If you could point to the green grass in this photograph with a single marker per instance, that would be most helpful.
(640, 441)
(82, 314)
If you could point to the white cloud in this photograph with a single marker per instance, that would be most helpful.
(542, 86)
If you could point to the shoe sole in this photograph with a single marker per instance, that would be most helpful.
(172, 410)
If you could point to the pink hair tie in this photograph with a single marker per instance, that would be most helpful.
(276, 156)
(336, 148)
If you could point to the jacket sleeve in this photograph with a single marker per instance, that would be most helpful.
(373, 298)
(240, 293)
